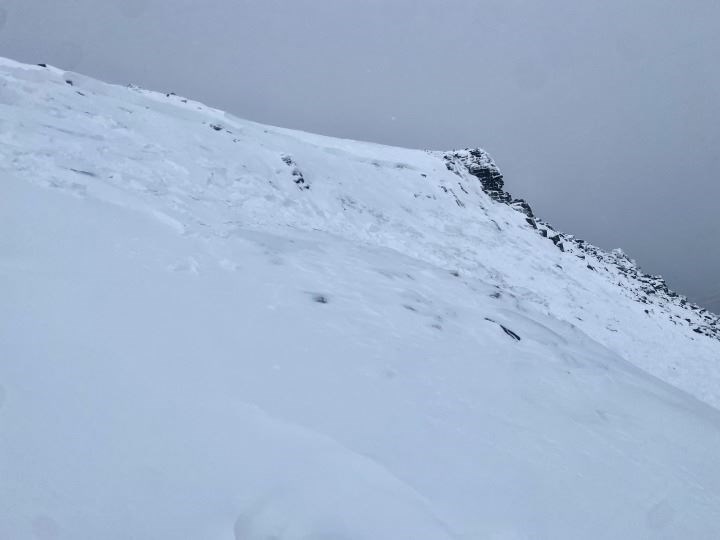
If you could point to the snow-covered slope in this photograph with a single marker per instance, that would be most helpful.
(211, 328)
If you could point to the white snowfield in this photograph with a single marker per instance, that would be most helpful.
(215, 329)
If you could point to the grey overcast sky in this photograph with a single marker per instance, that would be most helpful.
(604, 114)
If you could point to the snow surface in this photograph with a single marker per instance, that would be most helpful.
(196, 344)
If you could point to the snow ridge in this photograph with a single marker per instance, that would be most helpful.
(213, 328)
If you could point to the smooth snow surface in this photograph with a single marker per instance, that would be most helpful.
(214, 329)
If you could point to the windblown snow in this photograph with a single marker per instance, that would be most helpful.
(215, 329)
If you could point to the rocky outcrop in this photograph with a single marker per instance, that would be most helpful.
(480, 165)
(646, 289)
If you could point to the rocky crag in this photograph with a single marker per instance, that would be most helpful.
(651, 290)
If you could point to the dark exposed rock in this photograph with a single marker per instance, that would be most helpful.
(510, 333)
(644, 288)
(457, 200)
(480, 165)
(84, 173)
(521, 205)
(296, 173)
(505, 329)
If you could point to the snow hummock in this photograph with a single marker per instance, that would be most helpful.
(196, 344)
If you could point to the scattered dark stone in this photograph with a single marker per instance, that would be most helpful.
(451, 192)
(320, 298)
(42, 65)
(556, 240)
(68, 81)
(409, 307)
(521, 205)
(531, 222)
(216, 127)
(510, 333)
(84, 173)
(455, 273)
(297, 175)
(505, 329)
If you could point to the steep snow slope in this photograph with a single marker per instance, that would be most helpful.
(216, 329)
